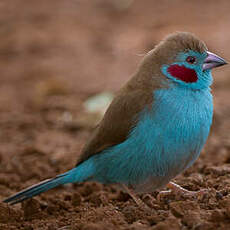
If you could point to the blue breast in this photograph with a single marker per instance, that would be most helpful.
(167, 139)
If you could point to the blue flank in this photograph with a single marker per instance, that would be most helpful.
(167, 139)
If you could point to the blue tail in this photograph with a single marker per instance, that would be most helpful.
(79, 174)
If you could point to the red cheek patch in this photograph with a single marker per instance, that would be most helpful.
(182, 73)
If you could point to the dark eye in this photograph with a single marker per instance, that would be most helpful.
(191, 59)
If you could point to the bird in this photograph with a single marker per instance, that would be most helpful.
(155, 127)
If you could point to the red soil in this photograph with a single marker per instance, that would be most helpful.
(53, 56)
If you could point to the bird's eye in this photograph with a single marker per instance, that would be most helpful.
(191, 59)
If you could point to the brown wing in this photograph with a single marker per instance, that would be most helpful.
(119, 119)
(121, 116)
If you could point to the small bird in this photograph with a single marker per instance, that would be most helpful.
(155, 127)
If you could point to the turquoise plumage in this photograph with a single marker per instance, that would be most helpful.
(157, 125)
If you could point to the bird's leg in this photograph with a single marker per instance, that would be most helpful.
(137, 200)
(179, 191)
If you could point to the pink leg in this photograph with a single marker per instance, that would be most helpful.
(137, 200)
(180, 192)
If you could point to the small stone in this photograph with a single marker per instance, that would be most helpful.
(76, 199)
(31, 209)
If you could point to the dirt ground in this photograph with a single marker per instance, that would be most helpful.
(53, 56)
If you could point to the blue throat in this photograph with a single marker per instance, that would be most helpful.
(166, 140)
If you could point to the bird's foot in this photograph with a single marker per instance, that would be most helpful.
(180, 192)
(136, 199)
(162, 194)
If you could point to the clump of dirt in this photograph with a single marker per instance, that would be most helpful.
(54, 55)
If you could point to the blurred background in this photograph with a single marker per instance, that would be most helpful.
(57, 55)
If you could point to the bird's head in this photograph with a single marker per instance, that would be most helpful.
(184, 60)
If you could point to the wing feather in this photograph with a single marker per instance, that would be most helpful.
(119, 119)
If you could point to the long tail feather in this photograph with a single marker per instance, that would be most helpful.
(78, 174)
(37, 189)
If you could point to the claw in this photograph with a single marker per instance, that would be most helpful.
(180, 192)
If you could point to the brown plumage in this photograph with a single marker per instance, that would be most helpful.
(137, 93)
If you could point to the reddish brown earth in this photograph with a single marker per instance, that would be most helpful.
(53, 56)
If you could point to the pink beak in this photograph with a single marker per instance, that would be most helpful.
(213, 61)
